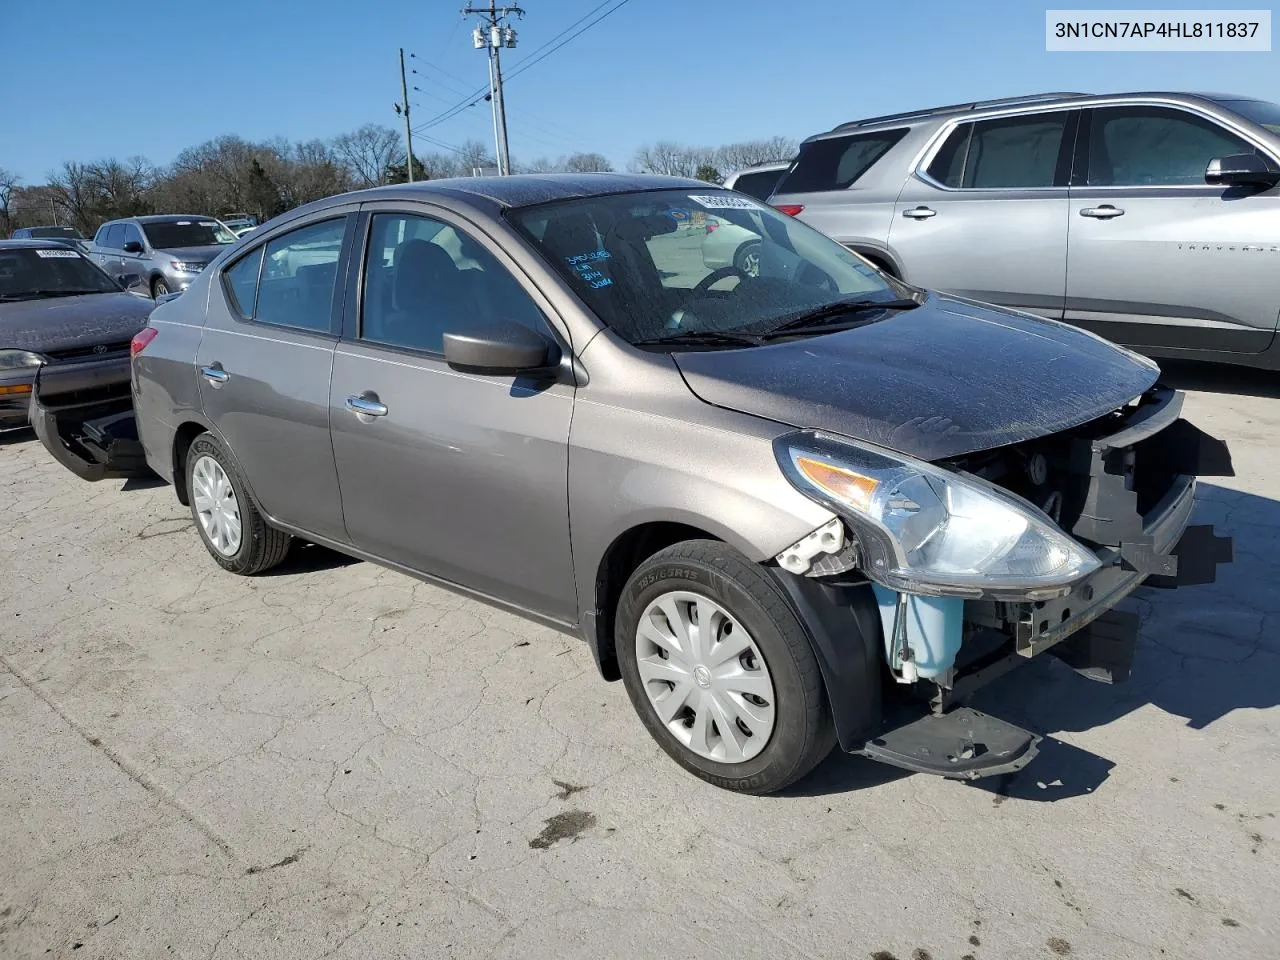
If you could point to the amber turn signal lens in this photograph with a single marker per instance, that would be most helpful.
(852, 488)
(15, 389)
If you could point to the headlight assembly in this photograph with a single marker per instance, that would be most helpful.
(923, 529)
(20, 360)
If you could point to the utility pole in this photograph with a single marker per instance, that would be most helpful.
(403, 106)
(493, 34)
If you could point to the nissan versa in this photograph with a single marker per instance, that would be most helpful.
(807, 506)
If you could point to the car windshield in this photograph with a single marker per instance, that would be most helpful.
(34, 273)
(168, 234)
(58, 233)
(712, 263)
(1261, 112)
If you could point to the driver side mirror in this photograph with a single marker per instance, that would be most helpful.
(1241, 170)
(503, 349)
(132, 246)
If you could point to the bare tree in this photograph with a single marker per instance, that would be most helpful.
(367, 152)
(472, 155)
(8, 181)
(586, 163)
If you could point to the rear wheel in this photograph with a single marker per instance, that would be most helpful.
(720, 670)
(231, 526)
(747, 259)
(159, 288)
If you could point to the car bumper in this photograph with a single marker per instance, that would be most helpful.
(83, 414)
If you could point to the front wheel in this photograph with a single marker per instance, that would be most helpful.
(158, 288)
(720, 669)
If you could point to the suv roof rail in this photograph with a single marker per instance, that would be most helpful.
(959, 108)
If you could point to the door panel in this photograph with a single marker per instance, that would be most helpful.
(463, 477)
(265, 385)
(1158, 258)
(139, 263)
(989, 218)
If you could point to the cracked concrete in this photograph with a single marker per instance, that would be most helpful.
(337, 761)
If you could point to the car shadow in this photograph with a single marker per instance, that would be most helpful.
(11, 438)
(1203, 652)
(307, 557)
(1220, 378)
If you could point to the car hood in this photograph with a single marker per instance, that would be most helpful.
(195, 254)
(67, 323)
(947, 378)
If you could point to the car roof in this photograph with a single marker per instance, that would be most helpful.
(527, 189)
(1037, 99)
(37, 243)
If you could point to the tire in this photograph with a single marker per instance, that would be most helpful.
(158, 288)
(258, 546)
(747, 259)
(801, 733)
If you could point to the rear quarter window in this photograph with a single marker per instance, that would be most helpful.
(835, 163)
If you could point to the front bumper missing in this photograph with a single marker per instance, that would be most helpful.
(83, 414)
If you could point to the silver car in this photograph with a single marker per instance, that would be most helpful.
(164, 252)
(809, 506)
(1150, 218)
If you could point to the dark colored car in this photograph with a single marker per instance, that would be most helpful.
(69, 234)
(64, 323)
(791, 508)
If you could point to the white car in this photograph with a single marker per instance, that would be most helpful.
(729, 245)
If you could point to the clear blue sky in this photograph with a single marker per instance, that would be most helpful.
(87, 79)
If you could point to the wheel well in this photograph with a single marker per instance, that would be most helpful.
(881, 263)
(182, 441)
(626, 553)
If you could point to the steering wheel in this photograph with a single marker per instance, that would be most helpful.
(700, 290)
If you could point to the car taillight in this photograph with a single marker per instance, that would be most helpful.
(711, 227)
(141, 339)
(790, 209)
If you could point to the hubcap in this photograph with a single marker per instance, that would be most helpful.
(705, 677)
(216, 505)
(751, 263)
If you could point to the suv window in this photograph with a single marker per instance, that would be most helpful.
(114, 239)
(835, 163)
(130, 231)
(1154, 146)
(1007, 152)
(760, 184)
(424, 278)
(290, 281)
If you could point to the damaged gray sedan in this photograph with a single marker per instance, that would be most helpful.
(790, 507)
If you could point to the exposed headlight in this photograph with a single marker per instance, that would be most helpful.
(927, 530)
(185, 267)
(19, 360)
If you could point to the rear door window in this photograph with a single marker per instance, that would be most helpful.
(1005, 153)
(1155, 146)
(835, 163)
(290, 281)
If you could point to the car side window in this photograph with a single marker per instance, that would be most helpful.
(297, 277)
(1007, 152)
(242, 282)
(424, 278)
(1155, 146)
(834, 163)
(114, 239)
(130, 232)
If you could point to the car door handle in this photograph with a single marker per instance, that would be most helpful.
(367, 407)
(919, 213)
(1104, 212)
(215, 375)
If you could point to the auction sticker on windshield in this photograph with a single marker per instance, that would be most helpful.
(725, 202)
(58, 254)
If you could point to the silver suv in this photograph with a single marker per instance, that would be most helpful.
(164, 252)
(1149, 218)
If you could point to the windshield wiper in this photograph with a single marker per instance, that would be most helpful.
(700, 337)
(819, 317)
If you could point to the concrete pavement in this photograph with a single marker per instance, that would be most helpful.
(337, 761)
